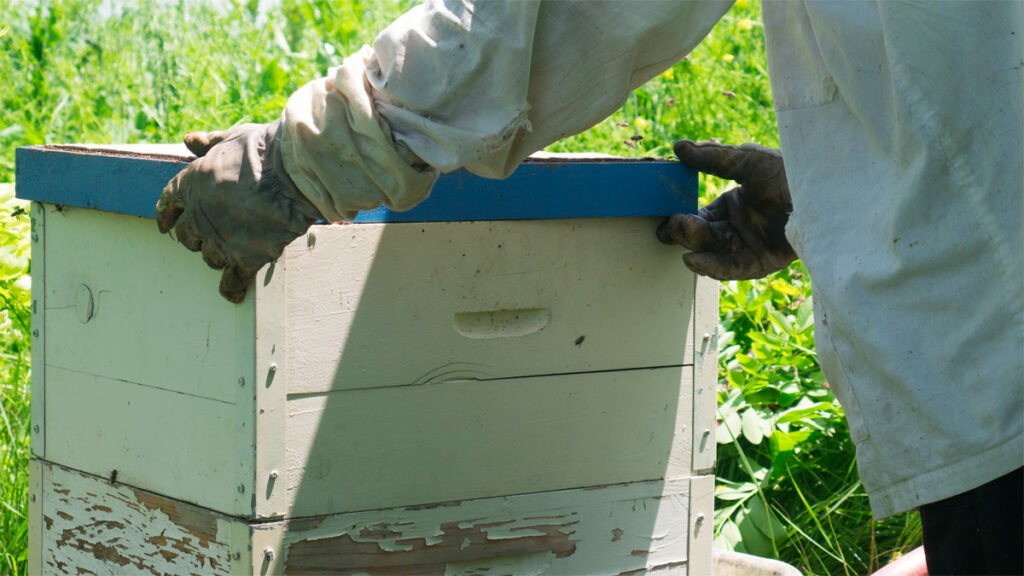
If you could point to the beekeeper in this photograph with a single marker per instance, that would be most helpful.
(901, 126)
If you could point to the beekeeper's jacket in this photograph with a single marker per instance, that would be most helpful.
(901, 126)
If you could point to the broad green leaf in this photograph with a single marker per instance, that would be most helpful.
(754, 541)
(761, 396)
(765, 520)
(794, 414)
(753, 426)
(789, 393)
(783, 321)
(805, 315)
(748, 363)
(728, 536)
(729, 428)
(728, 493)
(784, 287)
(728, 352)
(782, 442)
(725, 338)
(768, 339)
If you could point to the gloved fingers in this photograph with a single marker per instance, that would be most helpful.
(748, 225)
(742, 265)
(235, 281)
(730, 266)
(720, 208)
(235, 204)
(213, 256)
(199, 143)
(698, 233)
(738, 163)
(686, 230)
(188, 233)
(745, 226)
(171, 203)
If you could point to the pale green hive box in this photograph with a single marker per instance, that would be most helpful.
(515, 377)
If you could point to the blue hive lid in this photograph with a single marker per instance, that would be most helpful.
(128, 180)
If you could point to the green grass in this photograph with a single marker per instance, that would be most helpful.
(150, 71)
(14, 371)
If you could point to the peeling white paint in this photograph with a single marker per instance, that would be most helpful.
(92, 525)
(561, 532)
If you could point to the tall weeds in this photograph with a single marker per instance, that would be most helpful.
(14, 372)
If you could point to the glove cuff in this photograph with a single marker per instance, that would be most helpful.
(275, 178)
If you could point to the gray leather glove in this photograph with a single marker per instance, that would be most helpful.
(741, 234)
(235, 203)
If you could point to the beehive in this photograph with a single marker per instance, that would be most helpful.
(515, 377)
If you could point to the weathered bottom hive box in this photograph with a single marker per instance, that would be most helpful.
(514, 378)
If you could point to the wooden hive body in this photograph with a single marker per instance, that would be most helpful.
(514, 377)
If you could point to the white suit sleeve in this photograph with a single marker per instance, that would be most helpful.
(475, 85)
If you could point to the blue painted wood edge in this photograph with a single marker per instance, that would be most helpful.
(536, 190)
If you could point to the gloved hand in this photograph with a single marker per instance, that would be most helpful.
(235, 203)
(741, 234)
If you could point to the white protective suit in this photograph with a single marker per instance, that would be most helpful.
(901, 126)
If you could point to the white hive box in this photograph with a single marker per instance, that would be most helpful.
(515, 377)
